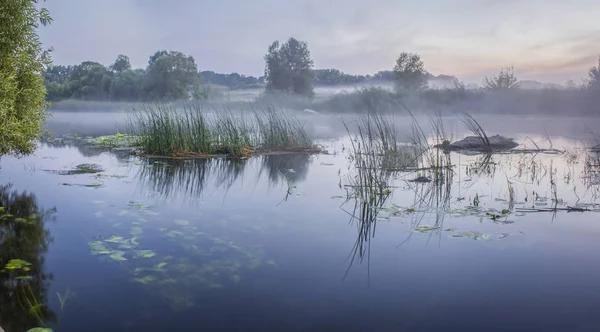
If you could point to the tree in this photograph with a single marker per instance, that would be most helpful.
(121, 64)
(505, 80)
(410, 73)
(90, 81)
(594, 80)
(288, 68)
(171, 75)
(127, 85)
(570, 85)
(22, 65)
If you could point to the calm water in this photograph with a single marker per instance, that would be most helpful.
(270, 244)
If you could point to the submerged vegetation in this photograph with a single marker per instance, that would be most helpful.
(192, 131)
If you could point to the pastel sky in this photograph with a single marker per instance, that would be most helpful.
(547, 40)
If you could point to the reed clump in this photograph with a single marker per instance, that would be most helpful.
(192, 131)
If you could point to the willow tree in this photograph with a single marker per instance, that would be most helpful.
(22, 65)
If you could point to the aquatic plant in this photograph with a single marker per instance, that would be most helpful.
(478, 131)
(163, 129)
(24, 240)
(83, 169)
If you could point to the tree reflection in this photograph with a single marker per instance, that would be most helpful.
(23, 236)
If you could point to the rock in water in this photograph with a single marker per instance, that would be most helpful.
(476, 143)
(420, 179)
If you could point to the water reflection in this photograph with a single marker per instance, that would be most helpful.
(24, 240)
(192, 177)
(189, 177)
(294, 167)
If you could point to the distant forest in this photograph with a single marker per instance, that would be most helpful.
(170, 75)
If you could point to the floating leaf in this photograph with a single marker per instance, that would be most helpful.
(161, 265)
(39, 329)
(99, 214)
(123, 213)
(174, 233)
(136, 231)
(145, 280)
(182, 222)
(134, 241)
(505, 211)
(144, 254)
(136, 205)
(17, 264)
(114, 239)
(425, 229)
(473, 235)
(118, 256)
(126, 245)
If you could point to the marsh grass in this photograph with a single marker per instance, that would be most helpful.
(277, 130)
(191, 130)
(478, 131)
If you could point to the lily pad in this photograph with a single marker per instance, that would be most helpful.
(17, 264)
(182, 222)
(425, 229)
(144, 254)
(114, 239)
(145, 280)
(472, 235)
(135, 231)
(118, 255)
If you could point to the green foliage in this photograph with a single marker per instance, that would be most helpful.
(121, 64)
(233, 80)
(170, 76)
(91, 81)
(127, 85)
(335, 77)
(288, 68)
(505, 80)
(410, 72)
(22, 61)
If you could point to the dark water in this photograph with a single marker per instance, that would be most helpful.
(268, 244)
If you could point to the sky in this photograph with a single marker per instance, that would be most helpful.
(545, 40)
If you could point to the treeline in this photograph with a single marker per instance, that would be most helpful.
(233, 80)
(169, 75)
(172, 75)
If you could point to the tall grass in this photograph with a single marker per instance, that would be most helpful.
(278, 130)
(189, 130)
